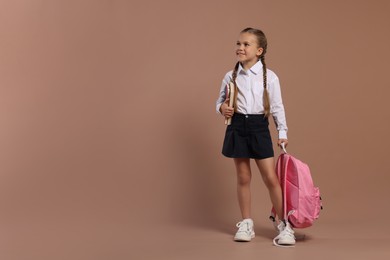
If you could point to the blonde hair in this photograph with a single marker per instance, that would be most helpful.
(262, 43)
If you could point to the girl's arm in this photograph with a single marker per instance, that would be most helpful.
(277, 108)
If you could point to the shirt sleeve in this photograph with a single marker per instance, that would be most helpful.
(277, 108)
(222, 93)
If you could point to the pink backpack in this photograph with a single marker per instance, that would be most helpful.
(301, 200)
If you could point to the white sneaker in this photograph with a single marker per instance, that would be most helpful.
(245, 231)
(286, 235)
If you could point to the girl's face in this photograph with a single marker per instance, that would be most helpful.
(248, 50)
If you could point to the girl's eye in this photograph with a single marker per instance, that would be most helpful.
(246, 44)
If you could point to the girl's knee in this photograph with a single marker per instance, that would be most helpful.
(271, 182)
(243, 178)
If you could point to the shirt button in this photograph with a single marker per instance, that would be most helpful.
(246, 116)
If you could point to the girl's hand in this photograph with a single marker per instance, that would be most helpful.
(280, 141)
(226, 110)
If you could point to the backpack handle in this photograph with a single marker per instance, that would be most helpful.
(283, 147)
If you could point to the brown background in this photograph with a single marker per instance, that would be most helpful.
(110, 146)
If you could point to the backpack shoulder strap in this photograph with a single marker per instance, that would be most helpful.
(280, 172)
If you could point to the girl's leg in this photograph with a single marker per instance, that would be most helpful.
(267, 170)
(244, 177)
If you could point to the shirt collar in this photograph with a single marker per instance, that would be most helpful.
(255, 69)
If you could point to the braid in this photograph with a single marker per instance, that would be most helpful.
(234, 76)
(266, 102)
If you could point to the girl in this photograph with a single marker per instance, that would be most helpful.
(256, 97)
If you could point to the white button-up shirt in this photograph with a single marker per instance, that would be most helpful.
(250, 94)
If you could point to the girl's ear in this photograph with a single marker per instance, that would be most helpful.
(259, 51)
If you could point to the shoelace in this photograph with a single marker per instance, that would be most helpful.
(287, 231)
(243, 226)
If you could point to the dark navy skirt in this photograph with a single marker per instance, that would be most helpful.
(248, 136)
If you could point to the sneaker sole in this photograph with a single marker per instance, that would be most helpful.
(244, 239)
(286, 242)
